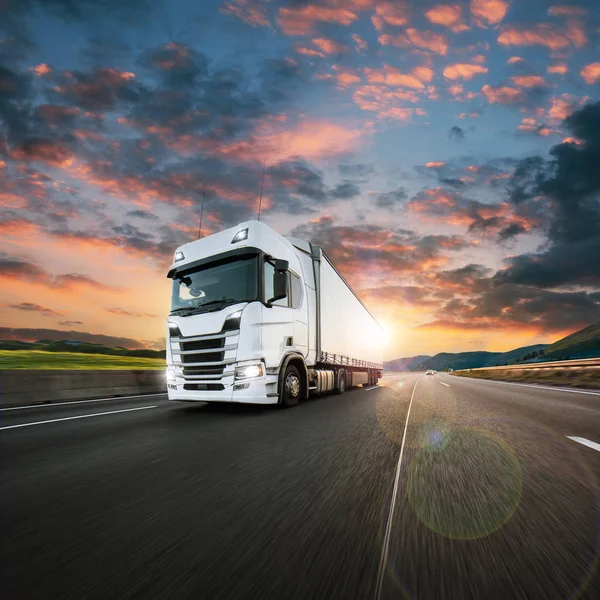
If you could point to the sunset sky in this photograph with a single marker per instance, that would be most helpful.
(446, 156)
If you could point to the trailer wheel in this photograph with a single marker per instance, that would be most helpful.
(291, 389)
(341, 382)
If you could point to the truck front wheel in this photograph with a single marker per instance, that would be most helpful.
(291, 390)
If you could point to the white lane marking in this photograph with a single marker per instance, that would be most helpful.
(51, 404)
(538, 387)
(585, 442)
(388, 528)
(112, 412)
(444, 384)
(373, 387)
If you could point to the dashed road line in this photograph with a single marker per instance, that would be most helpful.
(51, 404)
(112, 412)
(585, 442)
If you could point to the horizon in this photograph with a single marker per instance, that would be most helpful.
(442, 154)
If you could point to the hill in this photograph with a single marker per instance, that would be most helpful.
(581, 344)
(405, 364)
(80, 348)
(458, 360)
(462, 360)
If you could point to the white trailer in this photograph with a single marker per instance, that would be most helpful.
(260, 318)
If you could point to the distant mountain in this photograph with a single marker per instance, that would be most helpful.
(83, 347)
(581, 344)
(461, 360)
(405, 364)
(518, 355)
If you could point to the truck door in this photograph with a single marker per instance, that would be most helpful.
(299, 305)
(277, 322)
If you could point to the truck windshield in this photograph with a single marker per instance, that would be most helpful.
(212, 286)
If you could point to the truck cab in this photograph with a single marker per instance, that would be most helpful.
(239, 307)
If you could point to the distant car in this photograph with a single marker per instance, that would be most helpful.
(430, 372)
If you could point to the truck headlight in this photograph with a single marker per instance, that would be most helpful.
(248, 371)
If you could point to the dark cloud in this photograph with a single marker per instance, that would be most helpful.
(15, 267)
(127, 313)
(391, 199)
(452, 182)
(142, 214)
(32, 307)
(70, 323)
(456, 133)
(571, 182)
(34, 335)
(368, 250)
(345, 191)
(517, 306)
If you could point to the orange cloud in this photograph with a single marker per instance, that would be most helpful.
(448, 15)
(488, 12)
(252, 12)
(463, 71)
(514, 59)
(360, 43)
(300, 21)
(423, 39)
(308, 51)
(435, 164)
(390, 13)
(345, 76)
(562, 106)
(543, 34)
(41, 69)
(310, 139)
(329, 46)
(591, 73)
(528, 81)
(501, 94)
(415, 79)
(560, 69)
(529, 124)
(384, 101)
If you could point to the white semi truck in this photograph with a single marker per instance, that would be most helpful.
(260, 318)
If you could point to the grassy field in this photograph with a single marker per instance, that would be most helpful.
(37, 359)
(570, 377)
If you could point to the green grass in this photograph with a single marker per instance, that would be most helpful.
(37, 359)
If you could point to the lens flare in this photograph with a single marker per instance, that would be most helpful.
(464, 507)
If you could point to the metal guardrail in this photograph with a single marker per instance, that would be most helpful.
(565, 364)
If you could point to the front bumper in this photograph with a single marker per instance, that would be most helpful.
(261, 390)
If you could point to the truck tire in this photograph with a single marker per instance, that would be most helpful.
(341, 382)
(291, 388)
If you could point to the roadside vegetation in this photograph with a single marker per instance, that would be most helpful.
(567, 377)
(39, 359)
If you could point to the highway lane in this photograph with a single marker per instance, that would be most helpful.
(180, 501)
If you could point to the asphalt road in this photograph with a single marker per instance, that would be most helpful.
(490, 499)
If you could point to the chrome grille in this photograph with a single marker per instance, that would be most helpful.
(206, 357)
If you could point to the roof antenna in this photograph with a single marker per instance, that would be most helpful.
(262, 183)
(201, 211)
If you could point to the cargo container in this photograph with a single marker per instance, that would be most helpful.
(260, 318)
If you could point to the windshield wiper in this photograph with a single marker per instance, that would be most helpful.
(182, 310)
(186, 311)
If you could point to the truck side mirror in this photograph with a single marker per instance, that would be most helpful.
(280, 281)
